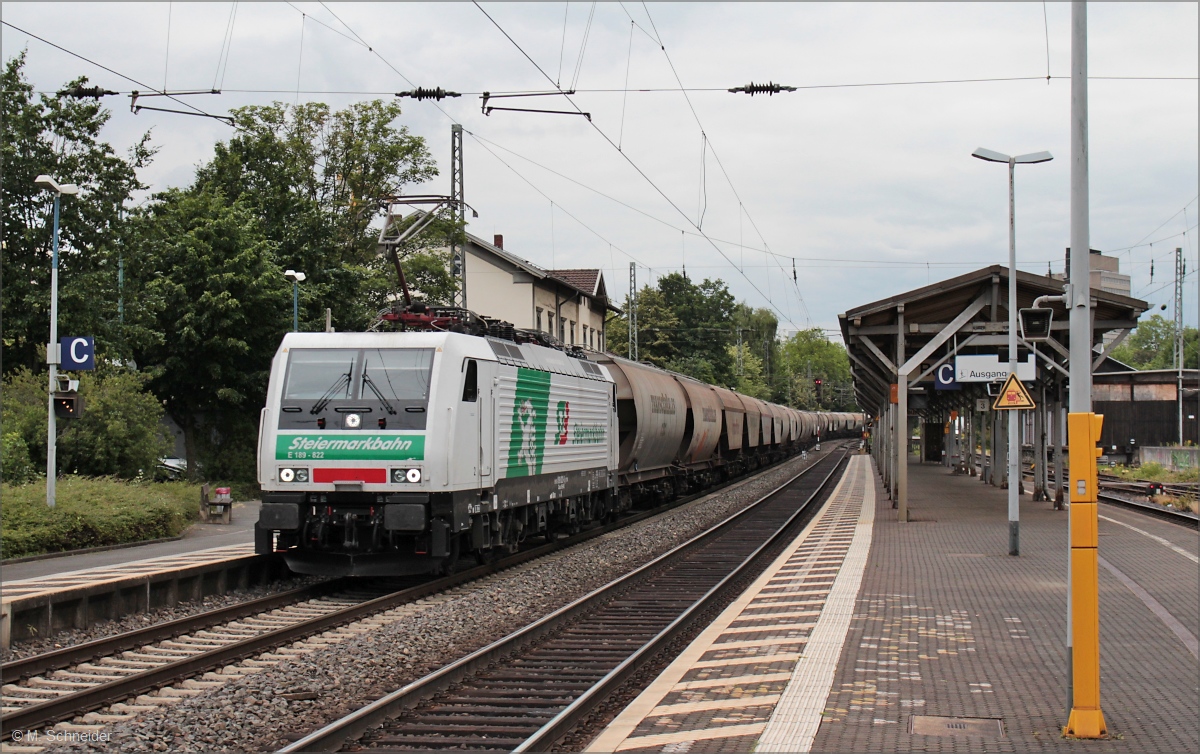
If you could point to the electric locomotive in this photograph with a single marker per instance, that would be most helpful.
(392, 453)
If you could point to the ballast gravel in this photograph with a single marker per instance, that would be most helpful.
(249, 714)
(134, 621)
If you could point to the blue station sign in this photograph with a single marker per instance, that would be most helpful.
(77, 354)
(944, 378)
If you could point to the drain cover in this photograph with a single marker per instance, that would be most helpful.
(932, 725)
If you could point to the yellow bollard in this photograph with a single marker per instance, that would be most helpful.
(1083, 434)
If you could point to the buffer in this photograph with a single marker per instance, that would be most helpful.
(1013, 395)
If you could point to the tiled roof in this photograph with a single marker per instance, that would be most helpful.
(584, 280)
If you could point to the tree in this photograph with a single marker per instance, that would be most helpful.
(685, 327)
(59, 137)
(808, 355)
(120, 433)
(1152, 345)
(316, 179)
(751, 381)
(208, 279)
(758, 329)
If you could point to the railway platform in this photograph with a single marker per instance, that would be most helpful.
(41, 597)
(868, 634)
(198, 537)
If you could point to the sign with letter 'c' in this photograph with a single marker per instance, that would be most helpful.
(1013, 396)
(944, 378)
(78, 354)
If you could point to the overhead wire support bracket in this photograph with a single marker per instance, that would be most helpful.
(487, 109)
(135, 108)
(421, 93)
(769, 88)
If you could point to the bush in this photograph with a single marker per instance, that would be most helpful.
(120, 433)
(92, 513)
(15, 466)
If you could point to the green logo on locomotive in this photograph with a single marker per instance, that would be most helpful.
(355, 447)
(527, 445)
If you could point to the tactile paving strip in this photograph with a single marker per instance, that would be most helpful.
(736, 684)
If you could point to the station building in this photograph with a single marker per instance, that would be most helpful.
(901, 347)
(570, 304)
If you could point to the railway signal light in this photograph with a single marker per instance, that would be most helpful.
(817, 383)
(68, 405)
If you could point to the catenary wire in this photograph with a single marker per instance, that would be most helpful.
(628, 160)
(720, 164)
(110, 70)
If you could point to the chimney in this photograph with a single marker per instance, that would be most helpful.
(498, 241)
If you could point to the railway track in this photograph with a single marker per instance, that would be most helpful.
(1109, 485)
(527, 690)
(1153, 509)
(177, 659)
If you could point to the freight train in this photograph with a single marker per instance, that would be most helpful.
(393, 453)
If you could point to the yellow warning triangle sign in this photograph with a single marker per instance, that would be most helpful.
(1012, 395)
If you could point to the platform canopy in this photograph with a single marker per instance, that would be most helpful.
(917, 331)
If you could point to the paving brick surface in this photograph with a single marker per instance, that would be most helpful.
(948, 624)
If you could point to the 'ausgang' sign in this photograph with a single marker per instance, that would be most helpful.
(988, 368)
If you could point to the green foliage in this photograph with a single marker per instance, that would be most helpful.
(808, 355)
(92, 512)
(751, 381)
(211, 288)
(120, 433)
(15, 466)
(59, 137)
(685, 327)
(693, 329)
(1154, 472)
(1152, 345)
(315, 179)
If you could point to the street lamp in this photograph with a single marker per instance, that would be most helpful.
(1014, 447)
(70, 189)
(297, 278)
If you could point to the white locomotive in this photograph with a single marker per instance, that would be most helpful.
(395, 453)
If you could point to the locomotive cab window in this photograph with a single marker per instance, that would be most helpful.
(333, 389)
(471, 382)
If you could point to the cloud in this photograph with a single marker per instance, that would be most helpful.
(873, 173)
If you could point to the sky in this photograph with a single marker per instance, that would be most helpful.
(861, 180)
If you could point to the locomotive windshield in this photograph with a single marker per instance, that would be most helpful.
(313, 372)
(381, 388)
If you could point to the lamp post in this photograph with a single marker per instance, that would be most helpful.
(297, 278)
(1014, 446)
(70, 189)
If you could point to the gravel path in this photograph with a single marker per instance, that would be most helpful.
(248, 714)
(105, 629)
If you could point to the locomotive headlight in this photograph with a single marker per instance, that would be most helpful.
(406, 476)
(293, 475)
(353, 420)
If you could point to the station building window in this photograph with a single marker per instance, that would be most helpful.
(539, 319)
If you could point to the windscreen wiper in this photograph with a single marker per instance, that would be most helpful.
(343, 381)
(371, 384)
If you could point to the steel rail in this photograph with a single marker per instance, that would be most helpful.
(68, 656)
(104, 694)
(1110, 482)
(337, 733)
(1182, 518)
(559, 726)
